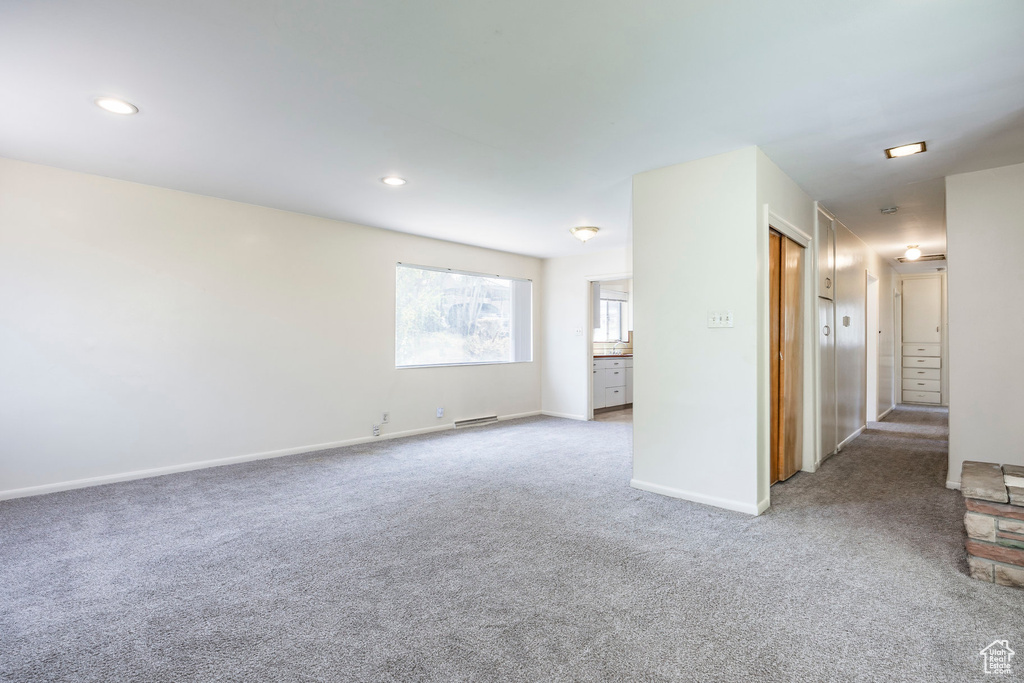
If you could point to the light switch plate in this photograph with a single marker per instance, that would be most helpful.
(719, 318)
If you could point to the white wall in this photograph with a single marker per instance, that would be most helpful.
(144, 328)
(701, 396)
(854, 260)
(985, 238)
(566, 310)
(695, 395)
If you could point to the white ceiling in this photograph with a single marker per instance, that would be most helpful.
(515, 121)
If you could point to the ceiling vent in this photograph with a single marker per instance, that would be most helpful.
(923, 257)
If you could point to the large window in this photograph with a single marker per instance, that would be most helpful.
(447, 317)
(612, 325)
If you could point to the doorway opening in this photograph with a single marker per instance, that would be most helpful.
(786, 334)
(611, 350)
(871, 333)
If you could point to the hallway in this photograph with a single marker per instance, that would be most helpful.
(887, 539)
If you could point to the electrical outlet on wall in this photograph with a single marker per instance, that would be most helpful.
(385, 418)
(376, 430)
(440, 412)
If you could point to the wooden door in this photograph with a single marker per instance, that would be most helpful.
(785, 273)
(775, 309)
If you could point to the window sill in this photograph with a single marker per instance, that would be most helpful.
(454, 365)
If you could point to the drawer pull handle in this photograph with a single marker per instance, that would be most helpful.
(920, 384)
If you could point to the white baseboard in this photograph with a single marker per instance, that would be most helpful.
(882, 416)
(955, 485)
(726, 503)
(763, 505)
(851, 437)
(516, 416)
(568, 416)
(233, 460)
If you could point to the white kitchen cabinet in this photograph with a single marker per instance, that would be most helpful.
(922, 310)
(922, 339)
(614, 377)
(615, 396)
(613, 385)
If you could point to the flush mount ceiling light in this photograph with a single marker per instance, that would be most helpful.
(584, 232)
(906, 150)
(393, 181)
(890, 211)
(116, 106)
(913, 253)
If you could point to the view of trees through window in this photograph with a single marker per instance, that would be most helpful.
(448, 317)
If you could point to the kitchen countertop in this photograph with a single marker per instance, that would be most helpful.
(615, 355)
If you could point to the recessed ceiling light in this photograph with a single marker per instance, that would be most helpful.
(116, 106)
(393, 180)
(913, 253)
(905, 150)
(891, 210)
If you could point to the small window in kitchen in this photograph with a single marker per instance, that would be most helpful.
(614, 320)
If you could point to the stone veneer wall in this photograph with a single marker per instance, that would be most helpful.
(994, 522)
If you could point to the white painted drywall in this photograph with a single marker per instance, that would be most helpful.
(565, 317)
(985, 236)
(695, 397)
(143, 328)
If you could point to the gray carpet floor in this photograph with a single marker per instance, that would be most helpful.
(513, 552)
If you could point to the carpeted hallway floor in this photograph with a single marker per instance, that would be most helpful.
(504, 553)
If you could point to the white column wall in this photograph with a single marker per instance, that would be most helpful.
(985, 238)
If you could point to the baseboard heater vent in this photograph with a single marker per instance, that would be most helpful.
(459, 424)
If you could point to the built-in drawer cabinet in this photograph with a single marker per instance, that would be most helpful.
(613, 384)
(921, 373)
(922, 350)
(921, 396)
(914, 362)
(921, 385)
(614, 377)
(615, 396)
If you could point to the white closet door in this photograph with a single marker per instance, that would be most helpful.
(922, 310)
(827, 352)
